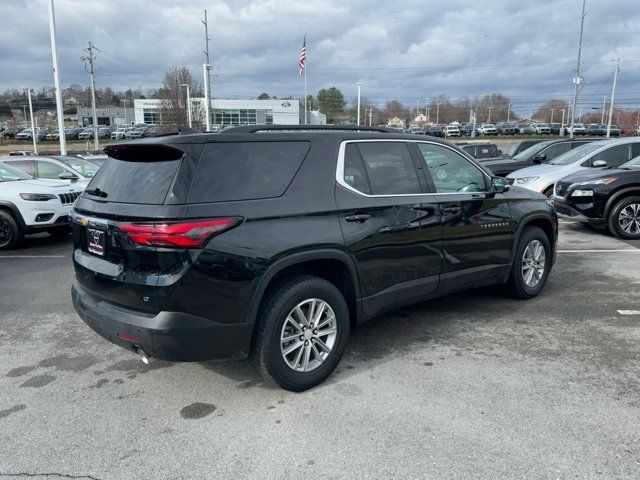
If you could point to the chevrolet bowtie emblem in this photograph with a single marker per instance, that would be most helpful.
(84, 221)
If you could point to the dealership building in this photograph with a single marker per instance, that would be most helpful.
(235, 112)
(110, 116)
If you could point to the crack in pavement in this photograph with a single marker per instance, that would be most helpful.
(46, 474)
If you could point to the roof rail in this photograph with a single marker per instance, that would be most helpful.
(306, 128)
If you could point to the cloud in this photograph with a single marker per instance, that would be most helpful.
(407, 50)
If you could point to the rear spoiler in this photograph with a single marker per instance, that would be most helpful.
(143, 152)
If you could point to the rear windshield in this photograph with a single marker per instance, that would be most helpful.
(244, 171)
(145, 182)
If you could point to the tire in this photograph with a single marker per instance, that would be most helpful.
(626, 209)
(10, 232)
(518, 284)
(267, 355)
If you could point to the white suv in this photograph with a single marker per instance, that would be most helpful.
(28, 205)
(72, 170)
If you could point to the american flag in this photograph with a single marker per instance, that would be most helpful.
(303, 56)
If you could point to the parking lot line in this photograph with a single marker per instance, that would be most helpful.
(31, 256)
(629, 312)
(624, 250)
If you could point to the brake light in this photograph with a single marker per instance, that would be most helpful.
(179, 234)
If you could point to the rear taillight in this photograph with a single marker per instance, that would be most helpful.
(189, 234)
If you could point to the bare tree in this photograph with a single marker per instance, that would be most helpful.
(173, 112)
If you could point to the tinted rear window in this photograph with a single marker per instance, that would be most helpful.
(243, 171)
(135, 182)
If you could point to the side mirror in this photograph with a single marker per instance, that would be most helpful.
(599, 163)
(68, 176)
(499, 185)
(539, 158)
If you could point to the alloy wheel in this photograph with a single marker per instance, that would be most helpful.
(308, 335)
(533, 263)
(629, 219)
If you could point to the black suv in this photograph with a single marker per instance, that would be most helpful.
(271, 242)
(541, 152)
(608, 198)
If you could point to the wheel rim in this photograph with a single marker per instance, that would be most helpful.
(6, 232)
(533, 263)
(629, 219)
(308, 335)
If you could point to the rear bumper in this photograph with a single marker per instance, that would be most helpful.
(172, 336)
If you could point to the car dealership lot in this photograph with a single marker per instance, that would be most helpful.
(473, 385)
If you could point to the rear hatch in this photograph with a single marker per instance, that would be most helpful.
(115, 233)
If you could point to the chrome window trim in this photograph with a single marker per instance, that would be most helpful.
(340, 169)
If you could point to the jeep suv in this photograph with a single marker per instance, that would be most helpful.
(272, 241)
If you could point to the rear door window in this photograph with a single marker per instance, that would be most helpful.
(556, 149)
(27, 166)
(389, 168)
(245, 171)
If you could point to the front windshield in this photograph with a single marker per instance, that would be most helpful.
(10, 174)
(529, 152)
(83, 167)
(576, 154)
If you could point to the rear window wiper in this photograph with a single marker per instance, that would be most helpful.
(97, 192)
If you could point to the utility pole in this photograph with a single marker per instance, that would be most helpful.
(604, 101)
(33, 125)
(207, 80)
(577, 80)
(359, 85)
(613, 96)
(90, 60)
(56, 78)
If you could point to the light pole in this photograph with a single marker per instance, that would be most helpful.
(508, 113)
(188, 103)
(359, 85)
(604, 103)
(613, 96)
(33, 125)
(552, 110)
(489, 118)
(562, 122)
(438, 113)
(124, 102)
(577, 80)
(56, 79)
(207, 100)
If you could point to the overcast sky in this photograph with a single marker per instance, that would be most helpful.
(407, 50)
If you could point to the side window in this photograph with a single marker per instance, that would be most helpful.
(450, 171)
(355, 174)
(614, 156)
(27, 166)
(557, 149)
(49, 170)
(389, 168)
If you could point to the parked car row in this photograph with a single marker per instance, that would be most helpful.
(589, 180)
(83, 133)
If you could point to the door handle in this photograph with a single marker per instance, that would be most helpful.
(359, 218)
(451, 209)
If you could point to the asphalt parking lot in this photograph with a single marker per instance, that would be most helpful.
(474, 385)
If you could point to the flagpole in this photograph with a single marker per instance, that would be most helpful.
(305, 83)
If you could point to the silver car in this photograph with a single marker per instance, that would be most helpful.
(598, 154)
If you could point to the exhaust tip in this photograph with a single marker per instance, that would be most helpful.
(146, 359)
